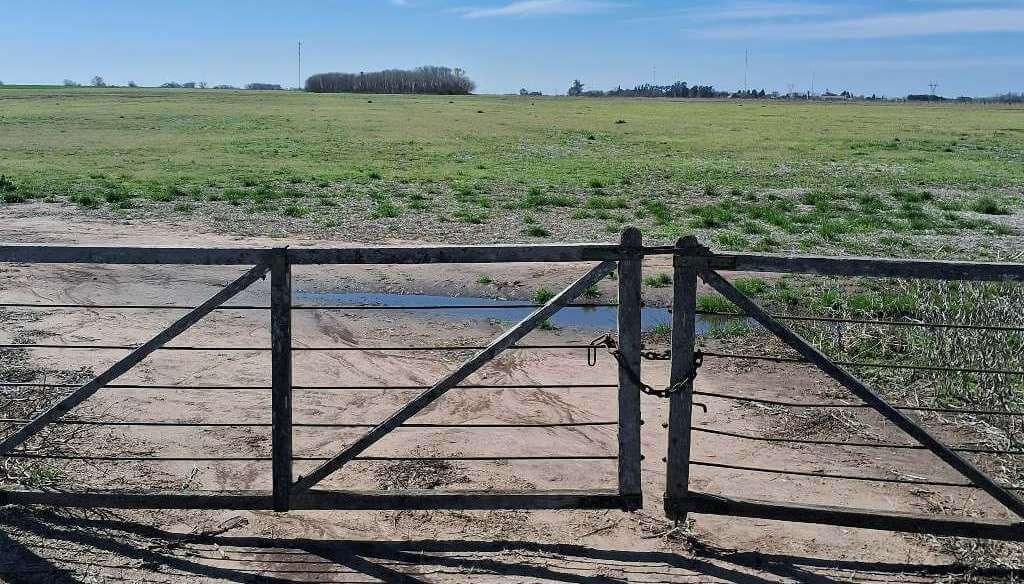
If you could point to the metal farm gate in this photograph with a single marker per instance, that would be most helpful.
(691, 262)
(291, 492)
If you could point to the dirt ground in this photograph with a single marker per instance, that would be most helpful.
(47, 545)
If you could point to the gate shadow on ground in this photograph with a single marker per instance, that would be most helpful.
(65, 547)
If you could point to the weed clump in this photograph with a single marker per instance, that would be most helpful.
(537, 231)
(537, 198)
(385, 209)
(543, 296)
(295, 211)
(988, 205)
(661, 280)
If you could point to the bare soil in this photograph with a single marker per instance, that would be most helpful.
(508, 546)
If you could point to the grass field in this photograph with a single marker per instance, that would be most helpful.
(853, 177)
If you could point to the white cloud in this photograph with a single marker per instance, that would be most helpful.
(765, 11)
(904, 24)
(541, 7)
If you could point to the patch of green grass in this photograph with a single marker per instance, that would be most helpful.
(591, 292)
(662, 329)
(728, 330)
(234, 196)
(86, 200)
(12, 197)
(384, 209)
(988, 205)
(418, 202)
(537, 198)
(7, 184)
(547, 325)
(543, 296)
(295, 211)
(467, 215)
(731, 240)
(752, 286)
(714, 215)
(751, 227)
(183, 207)
(660, 280)
(714, 303)
(659, 211)
(831, 229)
(767, 245)
(485, 280)
(606, 202)
(870, 203)
(537, 231)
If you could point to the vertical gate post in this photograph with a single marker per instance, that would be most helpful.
(281, 376)
(630, 282)
(684, 307)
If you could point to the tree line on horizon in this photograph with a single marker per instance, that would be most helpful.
(428, 79)
(679, 89)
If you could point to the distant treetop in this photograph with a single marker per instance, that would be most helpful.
(427, 79)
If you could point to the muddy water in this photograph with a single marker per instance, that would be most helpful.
(577, 317)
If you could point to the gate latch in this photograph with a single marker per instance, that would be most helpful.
(608, 342)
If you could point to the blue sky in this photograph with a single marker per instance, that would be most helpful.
(889, 47)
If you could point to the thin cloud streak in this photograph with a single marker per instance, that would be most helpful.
(541, 7)
(884, 26)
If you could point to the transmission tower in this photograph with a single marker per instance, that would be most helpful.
(934, 87)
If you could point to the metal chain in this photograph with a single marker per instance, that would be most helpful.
(608, 342)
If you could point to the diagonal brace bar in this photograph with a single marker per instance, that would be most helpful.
(121, 367)
(864, 392)
(506, 340)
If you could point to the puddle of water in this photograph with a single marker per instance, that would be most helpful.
(589, 317)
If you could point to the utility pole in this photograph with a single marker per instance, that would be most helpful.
(934, 87)
(654, 74)
(300, 65)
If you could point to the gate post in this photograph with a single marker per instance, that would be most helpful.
(684, 307)
(630, 282)
(281, 376)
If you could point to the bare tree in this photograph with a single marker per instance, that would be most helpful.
(98, 81)
(427, 79)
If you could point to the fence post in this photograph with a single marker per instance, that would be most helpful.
(281, 376)
(630, 282)
(684, 307)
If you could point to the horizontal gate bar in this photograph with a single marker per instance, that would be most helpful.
(45, 254)
(852, 266)
(709, 504)
(317, 499)
(859, 266)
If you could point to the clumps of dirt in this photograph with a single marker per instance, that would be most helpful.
(418, 474)
(980, 554)
(821, 424)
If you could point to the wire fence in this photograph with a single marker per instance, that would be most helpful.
(146, 457)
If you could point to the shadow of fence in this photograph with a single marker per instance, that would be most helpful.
(47, 546)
